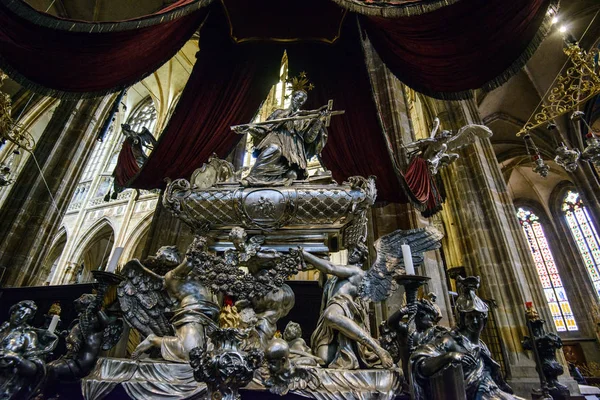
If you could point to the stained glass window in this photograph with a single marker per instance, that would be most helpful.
(585, 236)
(547, 271)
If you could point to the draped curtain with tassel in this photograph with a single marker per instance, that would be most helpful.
(226, 87)
(468, 45)
(443, 48)
(356, 145)
(73, 59)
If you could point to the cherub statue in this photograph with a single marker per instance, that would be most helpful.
(567, 158)
(263, 297)
(267, 309)
(437, 149)
(23, 349)
(94, 330)
(299, 350)
(285, 142)
(462, 346)
(145, 297)
(344, 319)
(249, 253)
(284, 372)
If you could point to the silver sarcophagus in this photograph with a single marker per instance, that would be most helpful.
(304, 213)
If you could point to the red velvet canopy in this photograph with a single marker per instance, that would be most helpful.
(95, 62)
(226, 87)
(450, 51)
(443, 48)
(356, 145)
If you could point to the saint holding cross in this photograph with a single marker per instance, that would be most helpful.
(287, 139)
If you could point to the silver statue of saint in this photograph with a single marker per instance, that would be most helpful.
(285, 142)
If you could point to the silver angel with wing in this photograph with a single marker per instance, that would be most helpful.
(378, 281)
(342, 337)
(144, 301)
(146, 298)
(438, 149)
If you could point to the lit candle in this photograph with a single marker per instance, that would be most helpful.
(53, 323)
(409, 268)
(112, 265)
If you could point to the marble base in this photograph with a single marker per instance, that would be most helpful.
(363, 384)
(141, 380)
(166, 380)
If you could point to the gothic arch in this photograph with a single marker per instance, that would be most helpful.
(575, 267)
(135, 242)
(52, 259)
(93, 250)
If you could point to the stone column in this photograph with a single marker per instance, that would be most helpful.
(389, 96)
(487, 237)
(587, 186)
(166, 230)
(30, 215)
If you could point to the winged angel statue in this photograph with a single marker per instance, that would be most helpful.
(344, 319)
(438, 148)
(146, 298)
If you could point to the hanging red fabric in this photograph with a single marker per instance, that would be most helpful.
(72, 64)
(356, 145)
(423, 186)
(468, 45)
(226, 87)
(127, 165)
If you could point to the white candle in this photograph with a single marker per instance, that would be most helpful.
(53, 323)
(112, 265)
(408, 261)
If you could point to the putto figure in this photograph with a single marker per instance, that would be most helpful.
(145, 297)
(462, 346)
(22, 352)
(299, 350)
(285, 142)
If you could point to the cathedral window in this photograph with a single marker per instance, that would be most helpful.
(552, 285)
(585, 236)
(143, 116)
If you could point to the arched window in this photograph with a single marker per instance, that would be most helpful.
(585, 235)
(547, 271)
(144, 115)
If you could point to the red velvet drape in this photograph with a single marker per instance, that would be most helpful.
(356, 145)
(423, 186)
(466, 45)
(284, 21)
(127, 165)
(58, 62)
(226, 87)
